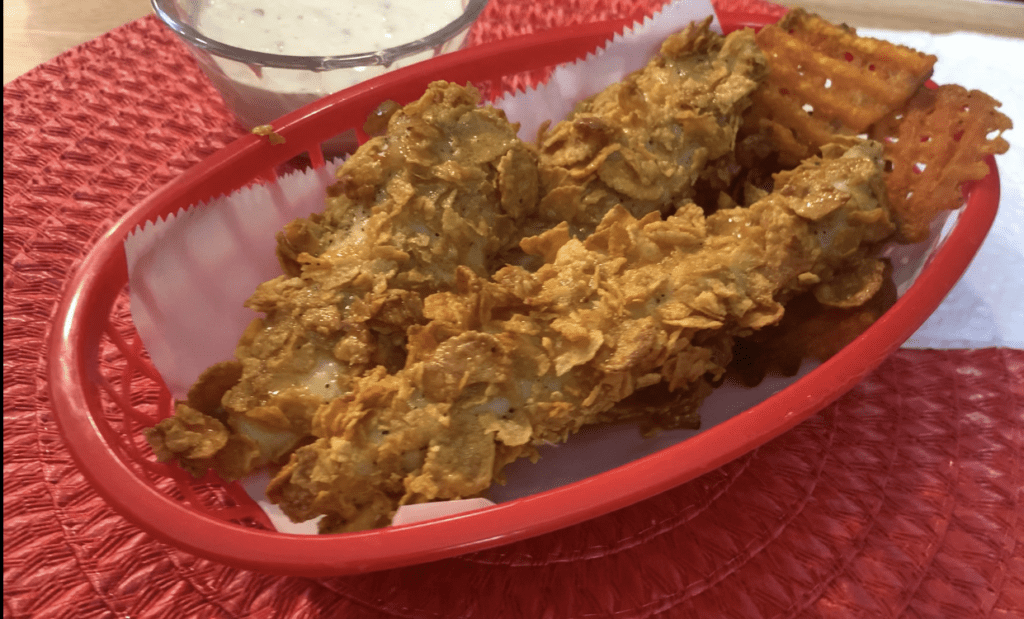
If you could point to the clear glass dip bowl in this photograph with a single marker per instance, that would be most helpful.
(260, 87)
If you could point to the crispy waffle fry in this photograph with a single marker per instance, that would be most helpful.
(934, 145)
(824, 81)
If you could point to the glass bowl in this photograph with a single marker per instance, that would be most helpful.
(259, 86)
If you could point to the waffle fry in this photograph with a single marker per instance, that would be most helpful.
(935, 145)
(824, 81)
(827, 84)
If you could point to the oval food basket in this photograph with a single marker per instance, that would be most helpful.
(105, 391)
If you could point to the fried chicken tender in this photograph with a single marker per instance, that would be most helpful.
(645, 141)
(449, 186)
(443, 188)
(529, 357)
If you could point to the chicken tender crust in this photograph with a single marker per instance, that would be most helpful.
(644, 142)
(443, 188)
(531, 357)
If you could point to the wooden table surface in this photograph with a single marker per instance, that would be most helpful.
(37, 30)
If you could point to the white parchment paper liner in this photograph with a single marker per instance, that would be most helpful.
(190, 274)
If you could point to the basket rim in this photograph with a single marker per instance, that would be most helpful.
(103, 274)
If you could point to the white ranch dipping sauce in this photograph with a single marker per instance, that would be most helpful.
(310, 28)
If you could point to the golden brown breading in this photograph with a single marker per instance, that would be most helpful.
(443, 188)
(449, 185)
(527, 358)
(808, 330)
(644, 142)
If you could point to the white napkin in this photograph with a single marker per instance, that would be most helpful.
(986, 308)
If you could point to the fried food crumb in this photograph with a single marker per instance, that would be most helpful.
(268, 131)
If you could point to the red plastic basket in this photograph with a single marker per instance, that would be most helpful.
(105, 391)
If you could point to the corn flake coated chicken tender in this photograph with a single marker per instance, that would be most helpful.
(444, 187)
(525, 358)
(644, 142)
(450, 185)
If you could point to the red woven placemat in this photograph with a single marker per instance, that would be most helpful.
(903, 499)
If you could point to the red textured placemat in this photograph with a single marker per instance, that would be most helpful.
(903, 499)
